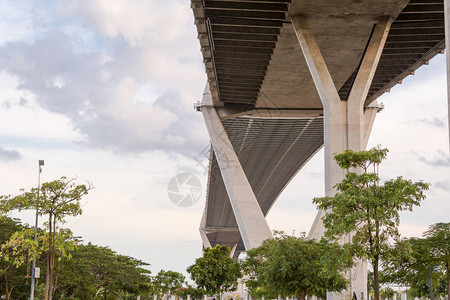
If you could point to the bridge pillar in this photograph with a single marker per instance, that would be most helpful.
(447, 54)
(355, 104)
(346, 124)
(205, 240)
(249, 216)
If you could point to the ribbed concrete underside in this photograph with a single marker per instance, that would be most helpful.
(271, 152)
(252, 56)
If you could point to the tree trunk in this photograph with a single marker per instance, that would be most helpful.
(376, 284)
(47, 276)
(52, 264)
(8, 293)
(301, 295)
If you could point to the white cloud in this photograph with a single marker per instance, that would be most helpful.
(16, 21)
(22, 118)
(100, 92)
(137, 21)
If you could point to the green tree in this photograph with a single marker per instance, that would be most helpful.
(64, 246)
(412, 260)
(18, 277)
(57, 200)
(166, 282)
(367, 208)
(8, 227)
(215, 272)
(294, 266)
(438, 239)
(14, 254)
(95, 272)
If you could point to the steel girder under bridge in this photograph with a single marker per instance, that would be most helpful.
(286, 78)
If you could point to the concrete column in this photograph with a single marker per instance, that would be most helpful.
(250, 219)
(333, 111)
(317, 229)
(334, 108)
(346, 125)
(205, 240)
(233, 250)
(447, 53)
(360, 89)
(369, 118)
(359, 124)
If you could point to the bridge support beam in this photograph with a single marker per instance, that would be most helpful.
(355, 104)
(447, 54)
(250, 219)
(346, 124)
(205, 240)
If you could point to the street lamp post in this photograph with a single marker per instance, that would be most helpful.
(33, 269)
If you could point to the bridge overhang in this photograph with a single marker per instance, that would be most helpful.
(264, 93)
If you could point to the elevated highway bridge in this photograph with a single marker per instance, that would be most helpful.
(286, 78)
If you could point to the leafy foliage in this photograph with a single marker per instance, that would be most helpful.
(215, 272)
(166, 282)
(412, 260)
(195, 293)
(56, 199)
(294, 266)
(79, 271)
(367, 208)
(387, 293)
(16, 250)
(98, 271)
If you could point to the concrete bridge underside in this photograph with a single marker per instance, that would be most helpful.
(271, 152)
(286, 78)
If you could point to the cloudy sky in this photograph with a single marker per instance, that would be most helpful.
(104, 90)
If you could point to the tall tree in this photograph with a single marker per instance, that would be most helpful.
(294, 266)
(414, 260)
(215, 272)
(438, 239)
(57, 200)
(366, 208)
